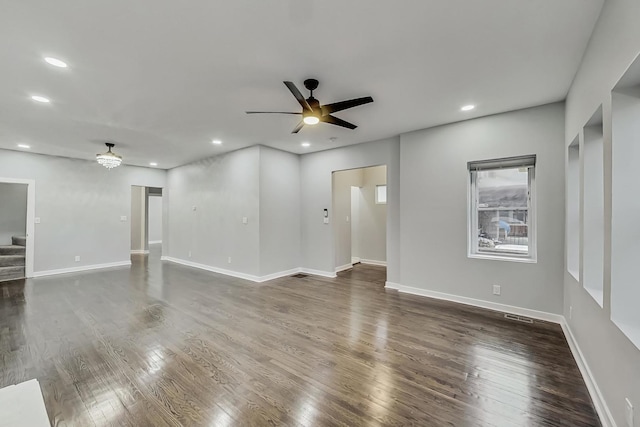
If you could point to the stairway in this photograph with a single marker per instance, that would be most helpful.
(12, 259)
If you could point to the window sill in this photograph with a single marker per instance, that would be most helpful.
(574, 274)
(596, 294)
(525, 260)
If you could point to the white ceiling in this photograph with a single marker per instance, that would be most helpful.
(162, 78)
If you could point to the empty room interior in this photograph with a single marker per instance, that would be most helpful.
(319, 213)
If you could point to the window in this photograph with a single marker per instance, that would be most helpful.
(381, 194)
(501, 220)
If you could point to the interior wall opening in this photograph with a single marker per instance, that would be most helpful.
(146, 221)
(13, 230)
(360, 217)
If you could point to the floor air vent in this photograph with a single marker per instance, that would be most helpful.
(300, 275)
(518, 318)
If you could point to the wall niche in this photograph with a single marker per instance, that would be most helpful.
(593, 208)
(625, 214)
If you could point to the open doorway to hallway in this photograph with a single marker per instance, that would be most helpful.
(146, 221)
(360, 217)
(16, 228)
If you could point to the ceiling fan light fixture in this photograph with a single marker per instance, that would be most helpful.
(311, 120)
(109, 159)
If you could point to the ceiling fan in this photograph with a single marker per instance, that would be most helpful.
(314, 113)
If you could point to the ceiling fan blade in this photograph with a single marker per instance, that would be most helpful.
(298, 127)
(270, 112)
(343, 105)
(294, 90)
(338, 122)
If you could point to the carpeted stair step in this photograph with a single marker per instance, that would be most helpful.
(12, 250)
(12, 261)
(18, 240)
(10, 273)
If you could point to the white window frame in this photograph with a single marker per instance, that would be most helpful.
(472, 213)
(385, 194)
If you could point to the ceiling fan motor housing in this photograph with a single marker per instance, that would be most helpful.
(311, 84)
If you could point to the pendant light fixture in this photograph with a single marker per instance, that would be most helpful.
(109, 159)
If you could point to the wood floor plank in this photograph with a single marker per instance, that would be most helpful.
(161, 344)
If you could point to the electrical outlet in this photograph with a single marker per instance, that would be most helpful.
(123, 218)
(37, 220)
(77, 258)
(570, 312)
(194, 208)
(628, 412)
(245, 220)
(496, 289)
(229, 260)
(189, 254)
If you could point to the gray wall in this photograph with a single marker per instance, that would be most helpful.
(316, 184)
(613, 359)
(279, 211)
(223, 190)
(138, 219)
(13, 211)
(372, 232)
(155, 218)
(434, 190)
(79, 204)
(342, 213)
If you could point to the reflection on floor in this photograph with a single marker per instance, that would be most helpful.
(162, 344)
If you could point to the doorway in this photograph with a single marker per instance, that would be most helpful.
(17, 199)
(360, 217)
(146, 221)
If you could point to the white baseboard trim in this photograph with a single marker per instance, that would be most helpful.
(596, 396)
(393, 286)
(213, 269)
(139, 252)
(320, 273)
(373, 262)
(344, 267)
(79, 269)
(245, 276)
(257, 279)
(534, 314)
(155, 242)
(279, 274)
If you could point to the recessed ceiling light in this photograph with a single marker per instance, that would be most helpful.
(153, 164)
(306, 144)
(40, 99)
(468, 107)
(216, 141)
(24, 146)
(55, 62)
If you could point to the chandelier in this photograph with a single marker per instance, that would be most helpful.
(109, 159)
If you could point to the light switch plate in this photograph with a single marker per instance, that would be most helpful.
(496, 289)
(123, 218)
(37, 220)
(245, 220)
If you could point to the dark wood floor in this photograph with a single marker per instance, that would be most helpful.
(161, 344)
